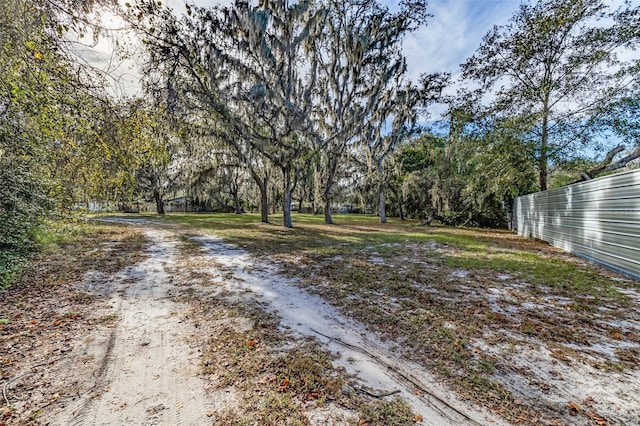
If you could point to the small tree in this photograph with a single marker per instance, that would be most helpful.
(394, 121)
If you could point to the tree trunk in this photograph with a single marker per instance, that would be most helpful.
(159, 202)
(264, 195)
(624, 161)
(327, 211)
(381, 208)
(607, 165)
(274, 207)
(399, 198)
(236, 202)
(286, 209)
(327, 196)
(543, 166)
(381, 202)
(332, 170)
(264, 204)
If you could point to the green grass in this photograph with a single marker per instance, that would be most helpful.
(562, 277)
(472, 249)
(54, 233)
(309, 231)
(47, 237)
(389, 413)
(11, 265)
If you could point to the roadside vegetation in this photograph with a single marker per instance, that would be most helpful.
(278, 379)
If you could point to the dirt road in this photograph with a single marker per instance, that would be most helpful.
(146, 374)
(146, 370)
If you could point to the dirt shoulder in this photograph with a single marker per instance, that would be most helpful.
(533, 334)
(45, 313)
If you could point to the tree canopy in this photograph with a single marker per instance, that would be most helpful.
(557, 67)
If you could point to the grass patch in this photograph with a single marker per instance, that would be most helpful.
(389, 413)
(11, 265)
(277, 377)
(48, 237)
(559, 276)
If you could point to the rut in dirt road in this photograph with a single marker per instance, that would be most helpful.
(147, 374)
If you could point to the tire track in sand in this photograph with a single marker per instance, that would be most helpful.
(148, 375)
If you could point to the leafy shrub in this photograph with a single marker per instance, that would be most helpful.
(23, 206)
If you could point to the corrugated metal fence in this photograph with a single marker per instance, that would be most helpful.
(598, 220)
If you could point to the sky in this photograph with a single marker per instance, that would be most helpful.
(450, 36)
(453, 33)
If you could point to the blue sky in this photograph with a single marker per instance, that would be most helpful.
(453, 33)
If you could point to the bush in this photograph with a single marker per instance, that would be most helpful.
(11, 264)
(23, 207)
(481, 218)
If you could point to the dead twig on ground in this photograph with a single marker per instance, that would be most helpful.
(9, 382)
(375, 395)
(6, 385)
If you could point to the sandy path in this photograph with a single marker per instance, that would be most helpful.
(146, 374)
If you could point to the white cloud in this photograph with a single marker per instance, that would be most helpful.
(453, 33)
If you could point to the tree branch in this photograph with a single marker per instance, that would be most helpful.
(607, 165)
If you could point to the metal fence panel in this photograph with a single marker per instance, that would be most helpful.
(598, 220)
